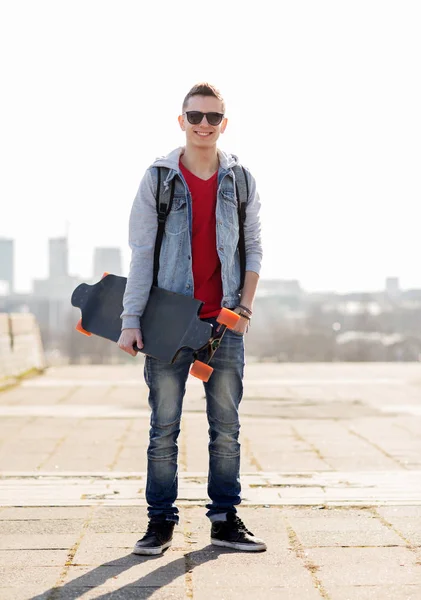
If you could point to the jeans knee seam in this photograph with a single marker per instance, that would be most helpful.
(166, 426)
(213, 453)
(161, 458)
(212, 420)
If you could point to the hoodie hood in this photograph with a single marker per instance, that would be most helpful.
(171, 161)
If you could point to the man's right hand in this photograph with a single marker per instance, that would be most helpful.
(128, 338)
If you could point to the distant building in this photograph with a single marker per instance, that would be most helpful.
(58, 258)
(279, 287)
(107, 260)
(51, 296)
(7, 259)
(392, 287)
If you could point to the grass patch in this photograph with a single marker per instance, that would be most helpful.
(6, 383)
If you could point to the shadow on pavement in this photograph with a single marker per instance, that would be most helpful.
(142, 588)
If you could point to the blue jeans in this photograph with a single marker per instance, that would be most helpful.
(224, 390)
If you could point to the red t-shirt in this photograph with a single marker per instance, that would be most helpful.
(205, 260)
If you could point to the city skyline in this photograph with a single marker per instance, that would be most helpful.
(109, 259)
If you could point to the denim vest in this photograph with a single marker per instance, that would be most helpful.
(175, 264)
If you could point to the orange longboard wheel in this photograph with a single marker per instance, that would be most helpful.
(81, 330)
(104, 274)
(201, 370)
(228, 317)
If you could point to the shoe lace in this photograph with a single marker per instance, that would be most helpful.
(154, 527)
(240, 525)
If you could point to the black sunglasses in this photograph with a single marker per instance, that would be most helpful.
(194, 117)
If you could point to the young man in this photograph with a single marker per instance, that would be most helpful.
(199, 257)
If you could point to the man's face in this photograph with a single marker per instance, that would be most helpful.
(202, 135)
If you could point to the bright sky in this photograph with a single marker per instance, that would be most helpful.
(323, 100)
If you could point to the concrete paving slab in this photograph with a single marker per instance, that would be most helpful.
(242, 569)
(34, 558)
(24, 592)
(264, 591)
(145, 573)
(44, 513)
(349, 538)
(389, 512)
(374, 592)
(343, 529)
(39, 577)
(21, 462)
(22, 541)
(366, 566)
(41, 526)
(409, 528)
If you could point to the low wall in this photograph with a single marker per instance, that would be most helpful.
(20, 345)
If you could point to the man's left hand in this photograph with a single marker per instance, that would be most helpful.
(242, 325)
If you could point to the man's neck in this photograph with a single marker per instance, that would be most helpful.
(201, 162)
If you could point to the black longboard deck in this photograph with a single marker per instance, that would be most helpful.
(169, 323)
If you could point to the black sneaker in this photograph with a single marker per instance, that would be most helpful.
(158, 536)
(232, 533)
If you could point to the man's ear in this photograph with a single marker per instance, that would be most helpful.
(181, 122)
(224, 125)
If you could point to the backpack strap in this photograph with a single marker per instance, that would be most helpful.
(164, 197)
(242, 193)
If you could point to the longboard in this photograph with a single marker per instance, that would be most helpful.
(170, 321)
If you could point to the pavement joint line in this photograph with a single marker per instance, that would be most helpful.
(400, 426)
(249, 454)
(70, 556)
(317, 452)
(10, 382)
(66, 396)
(188, 563)
(59, 443)
(309, 565)
(378, 448)
(16, 434)
(413, 547)
(121, 443)
(110, 389)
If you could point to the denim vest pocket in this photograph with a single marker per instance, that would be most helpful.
(177, 220)
(229, 207)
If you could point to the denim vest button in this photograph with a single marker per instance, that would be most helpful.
(188, 286)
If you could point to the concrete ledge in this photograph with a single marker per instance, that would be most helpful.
(311, 488)
(21, 348)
